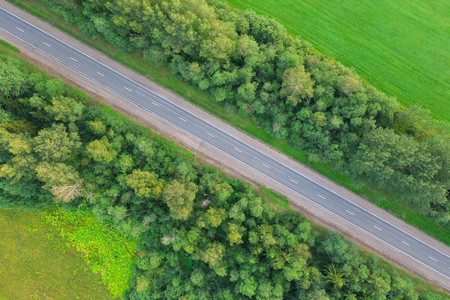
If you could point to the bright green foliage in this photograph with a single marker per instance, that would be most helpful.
(56, 174)
(101, 150)
(13, 81)
(235, 234)
(180, 198)
(105, 250)
(145, 184)
(65, 109)
(55, 144)
(297, 85)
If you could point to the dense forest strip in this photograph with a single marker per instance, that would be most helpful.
(399, 47)
(202, 234)
(320, 106)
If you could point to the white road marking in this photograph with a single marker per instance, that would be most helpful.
(155, 104)
(209, 134)
(19, 29)
(377, 227)
(238, 150)
(321, 196)
(350, 212)
(140, 93)
(432, 258)
(127, 89)
(405, 243)
(46, 44)
(100, 74)
(184, 120)
(266, 165)
(293, 180)
(73, 59)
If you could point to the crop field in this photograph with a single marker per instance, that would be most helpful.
(400, 47)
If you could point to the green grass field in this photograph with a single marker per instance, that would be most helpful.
(400, 47)
(34, 266)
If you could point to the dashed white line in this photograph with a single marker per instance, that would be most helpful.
(432, 258)
(127, 89)
(321, 196)
(46, 44)
(405, 243)
(155, 104)
(100, 74)
(266, 165)
(19, 29)
(377, 227)
(210, 134)
(238, 150)
(184, 120)
(140, 93)
(350, 212)
(73, 58)
(293, 180)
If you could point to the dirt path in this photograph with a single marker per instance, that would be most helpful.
(234, 168)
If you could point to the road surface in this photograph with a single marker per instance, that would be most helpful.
(147, 100)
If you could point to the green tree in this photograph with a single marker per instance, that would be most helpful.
(65, 109)
(235, 234)
(335, 277)
(145, 184)
(13, 81)
(55, 144)
(297, 85)
(180, 198)
(101, 150)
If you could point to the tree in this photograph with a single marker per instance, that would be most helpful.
(335, 277)
(55, 144)
(101, 150)
(297, 85)
(145, 184)
(180, 198)
(56, 174)
(13, 81)
(65, 109)
(67, 193)
(213, 217)
(213, 254)
(97, 127)
(318, 295)
(235, 233)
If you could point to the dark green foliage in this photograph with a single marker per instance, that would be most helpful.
(202, 235)
(288, 88)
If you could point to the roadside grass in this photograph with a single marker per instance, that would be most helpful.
(162, 76)
(279, 202)
(400, 47)
(36, 267)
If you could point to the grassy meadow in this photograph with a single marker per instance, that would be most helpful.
(400, 47)
(36, 263)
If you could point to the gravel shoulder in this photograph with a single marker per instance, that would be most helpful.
(229, 165)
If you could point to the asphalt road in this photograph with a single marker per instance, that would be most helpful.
(226, 143)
